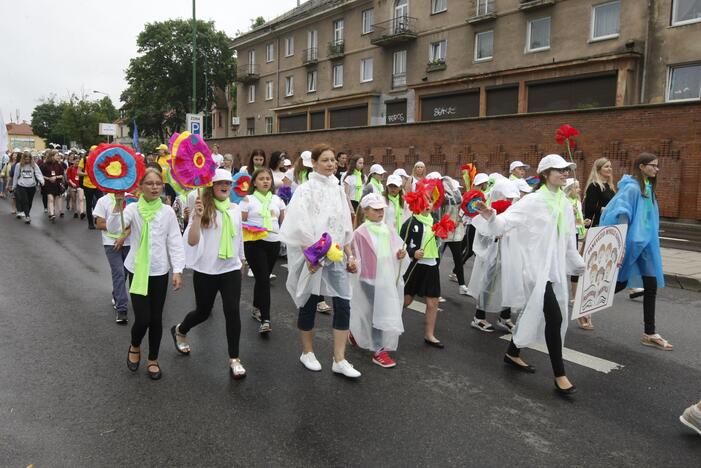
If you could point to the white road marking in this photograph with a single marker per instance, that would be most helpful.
(586, 360)
(675, 239)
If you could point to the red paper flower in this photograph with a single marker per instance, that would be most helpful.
(501, 205)
(444, 227)
(418, 201)
(567, 133)
(434, 189)
(469, 201)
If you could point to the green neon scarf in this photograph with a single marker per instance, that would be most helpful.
(377, 184)
(430, 246)
(381, 231)
(265, 208)
(358, 185)
(394, 200)
(142, 262)
(226, 248)
(578, 216)
(557, 203)
(303, 176)
(107, 233)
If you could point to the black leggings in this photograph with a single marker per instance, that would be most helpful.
(261, 256)
(649, 298)
(148, 314)
(25, 198)
(505, 314)
(457, 249)
(467, 242)
(91, 196)
(206, 288)
(553, 339)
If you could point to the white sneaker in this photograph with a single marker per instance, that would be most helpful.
(463, 290)
(310, 362)
(273, 276)
(453, 277)
(346, 368)
(250, 273)
(506, 324)
(441, 299)
(237, 370)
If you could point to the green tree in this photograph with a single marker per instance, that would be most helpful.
(159, 91)
(81, 119)
(45, 118)
(259, 21)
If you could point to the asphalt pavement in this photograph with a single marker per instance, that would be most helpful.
(67, 398)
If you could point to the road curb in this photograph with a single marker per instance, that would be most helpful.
(682, 282)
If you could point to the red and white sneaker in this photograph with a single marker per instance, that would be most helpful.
(383, 359)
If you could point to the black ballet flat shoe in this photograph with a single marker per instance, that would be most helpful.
(155, 375)
(527, 368)
(565, 391)
(636, 294)
(435, 344)
(133, 366)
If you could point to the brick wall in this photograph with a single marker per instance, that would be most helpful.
(672, 131)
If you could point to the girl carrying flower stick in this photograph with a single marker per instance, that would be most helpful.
(376, 321)
(396, 212)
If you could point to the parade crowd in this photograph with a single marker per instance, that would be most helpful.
(361, 243)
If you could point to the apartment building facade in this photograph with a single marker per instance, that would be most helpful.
(348, 63)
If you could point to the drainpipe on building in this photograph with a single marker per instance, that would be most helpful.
(643, 81)
(277, 78)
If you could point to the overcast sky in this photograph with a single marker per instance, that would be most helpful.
(61, 47)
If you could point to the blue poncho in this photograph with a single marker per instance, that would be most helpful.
(642, 257)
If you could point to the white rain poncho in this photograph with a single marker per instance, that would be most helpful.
(533, 253)
(376, 307)
(485, 283)
(317, 206)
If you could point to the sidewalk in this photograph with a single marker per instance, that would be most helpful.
(682, 269)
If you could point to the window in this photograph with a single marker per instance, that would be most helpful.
(438, 6)
(251, 93)
(368, 21)
(250, 126)
(485, 7)
(268, 125)
(289, 85)
(484, 45)
(251, 57)
(311, 81)
(289, 46)
(401, 9)
(436, 51)
(539, 34)
(399, 69)
(684, 82)
(686, 11)
(366, 70)
(337, 78)
(605, 21)
(268, 90)
(338, 31)
(269, 52)
(312, 39)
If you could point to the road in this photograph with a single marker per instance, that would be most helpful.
(67, 398)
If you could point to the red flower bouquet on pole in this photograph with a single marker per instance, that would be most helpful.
(565, 135)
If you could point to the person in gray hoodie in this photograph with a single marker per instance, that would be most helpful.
(26, 178)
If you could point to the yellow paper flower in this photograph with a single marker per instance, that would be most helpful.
(335, 253)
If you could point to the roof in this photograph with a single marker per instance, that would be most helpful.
(19, 129)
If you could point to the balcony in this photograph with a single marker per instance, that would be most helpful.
(337, 49)
(436, 65)
(395, 31)
(485, 11)
(311, 56)
(247, 73)
(398, 80)
(534, 4)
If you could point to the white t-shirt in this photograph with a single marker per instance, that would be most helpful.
(252, 206)
(204, 257)
(350, 181)
(278, 178)
(103, 209)
(218, 158)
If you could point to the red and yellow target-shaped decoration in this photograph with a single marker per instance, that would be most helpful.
(114, 168)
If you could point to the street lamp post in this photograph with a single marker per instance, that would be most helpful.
(108, 97)
(194, 59)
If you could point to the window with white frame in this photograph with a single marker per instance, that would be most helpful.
(484, 45)
(251, 93)
(685, 12)
(438, 6)
(338, 31)
(399, 68)
(606, 20)
(366, 70)
(368, 20)
(251, 57)
(311, 81)
(289, 46)
(437, 50)
(268, 125)
(269, 52)
(337, 75)
(484, 7)
(289, 85)
(268, 90)
(538, 34)
(684, 82)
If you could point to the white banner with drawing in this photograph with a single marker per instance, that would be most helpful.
(604, 248)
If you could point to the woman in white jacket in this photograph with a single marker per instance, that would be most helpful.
(538, 254)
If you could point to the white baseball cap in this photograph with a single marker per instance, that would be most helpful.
(222, 174)
(522, 185)
(373, 200)
(377, 169)
(394, 179)
(400, 172)
(517, 164)
(502, 190)
(306, 158)
(569, 183)
(286, 162)
(434, 175)
(554, 161)
(495, 176)
(480, 179)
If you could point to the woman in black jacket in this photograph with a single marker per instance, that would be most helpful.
(599, 191)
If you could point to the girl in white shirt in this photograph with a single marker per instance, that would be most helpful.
(214, 250)
(263, 209)
(354, 180)
(155, 238)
